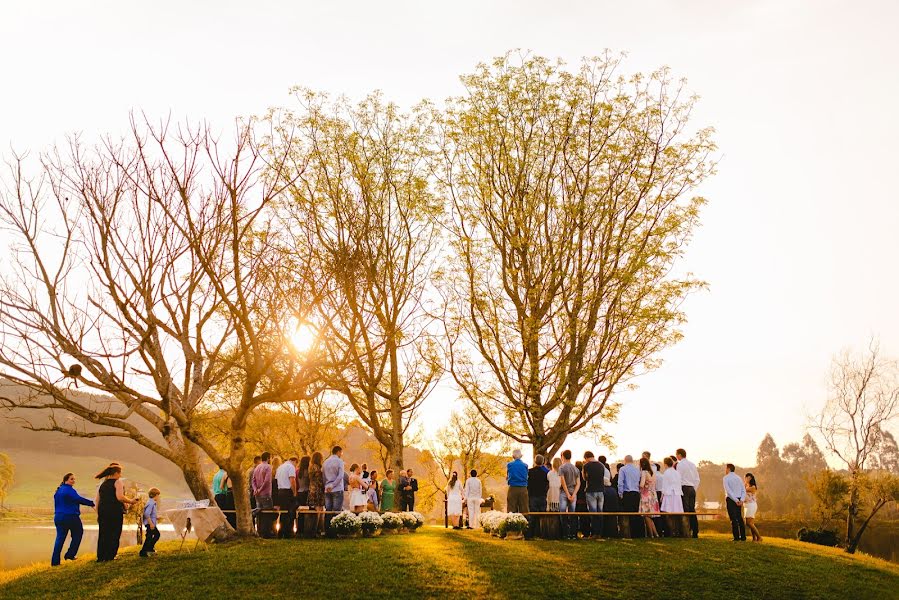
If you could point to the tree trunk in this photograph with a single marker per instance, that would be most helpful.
(852, 511)
(240, 488)
(853, 543)
(188, 460)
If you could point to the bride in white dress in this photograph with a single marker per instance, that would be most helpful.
(454, 501)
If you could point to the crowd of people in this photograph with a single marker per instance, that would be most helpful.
(316, 486)
(655, 494)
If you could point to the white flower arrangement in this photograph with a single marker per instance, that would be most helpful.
(408, 520)
(490, 520)
(419, 519)
(370, 521)
(392, 520)
(346, 523)
(514, 523)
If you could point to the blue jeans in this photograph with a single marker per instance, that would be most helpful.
(65, 525)
(595, 502)
(569, 524)
(333, 502)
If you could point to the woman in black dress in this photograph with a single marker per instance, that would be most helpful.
(111, 503)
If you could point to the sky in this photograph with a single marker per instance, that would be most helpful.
(798, 241)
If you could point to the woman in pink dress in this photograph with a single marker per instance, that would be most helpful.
(649, 501)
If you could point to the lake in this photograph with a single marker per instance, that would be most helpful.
(24, 543)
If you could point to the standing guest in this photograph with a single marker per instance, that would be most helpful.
(595, 478)
(517, 480)
(224, 496)
(473, 492)
(256, 461)
(373, 493)
(736, 494)
(672, 497)
(629, 493)
(581, 504)
(403, 484)
(649, 501)
(111, 503)
(333, 473)
(316, 497)
(551, 527)
(262, 491)
(276, 464)
(302, 499)
(610, 502)
(388, 491)
(67, 518)
(357, 496)
(286, 477)
(750, 506)
(364, 472)
(151, 523)
(408, 487)
(538, 488)
(571, 482)
(454, 500)
(689, 475)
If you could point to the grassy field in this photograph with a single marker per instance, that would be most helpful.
(438, 563)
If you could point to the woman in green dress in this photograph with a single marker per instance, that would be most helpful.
(387, 489)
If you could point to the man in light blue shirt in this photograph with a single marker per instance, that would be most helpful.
(736, 493)
(629, 492)
(332, 474)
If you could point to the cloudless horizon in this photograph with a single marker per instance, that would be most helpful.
(798, 241)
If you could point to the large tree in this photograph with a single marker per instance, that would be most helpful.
(362, 206)
(570, 195)
(864, 399)
(145, 271)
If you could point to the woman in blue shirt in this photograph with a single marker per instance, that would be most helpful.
(67, 518)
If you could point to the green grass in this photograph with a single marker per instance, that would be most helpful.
(436, 563)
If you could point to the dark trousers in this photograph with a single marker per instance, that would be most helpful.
(690, 506)
(110, 526)
(226, 503)
(288, 507)
(630, 502)
(264, 520)
(407, 502)
(150, 538)
(537, 504)
(736, 520)
(65, 525)
(302, 498)
(610, 504)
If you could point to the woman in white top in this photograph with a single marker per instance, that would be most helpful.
(671, 487)
(472, 493)
(358, 498)
(454, 500)
(555, 485)
(750, 505)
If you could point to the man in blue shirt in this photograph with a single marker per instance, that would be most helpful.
(736, 493)
(629, 492)
(517, 478)
(333, 476)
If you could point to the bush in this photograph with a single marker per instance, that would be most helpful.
(822, 537)
(392, 520)
(490, 520)
(346, 523)
(412, 520)
(370, 522)
(513, 522)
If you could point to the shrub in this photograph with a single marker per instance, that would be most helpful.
(490, 520)
(419, 519)
(822, 537)
(513, 522)
(346, 523)
(370, 522)
(392, 520)
(408, 520)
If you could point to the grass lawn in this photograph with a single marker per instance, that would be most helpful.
(438, 563)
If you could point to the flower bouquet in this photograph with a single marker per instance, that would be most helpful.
(490, 521)
(346, 524)
(418, 520)
(370, 523)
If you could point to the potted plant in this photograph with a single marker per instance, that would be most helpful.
(393, 522)
(418, 520)
(513, 526)
(346, 524)
(371, 523)
(490, 521)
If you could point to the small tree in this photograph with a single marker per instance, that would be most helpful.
(864, 398)
(7, 476)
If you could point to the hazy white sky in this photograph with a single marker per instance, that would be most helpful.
(799, 240)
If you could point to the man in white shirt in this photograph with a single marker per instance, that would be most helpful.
(286, 476)
(689, 475)
(472, 492)
(736, 493)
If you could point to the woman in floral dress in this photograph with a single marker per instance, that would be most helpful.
(649, 500)
(316, 498)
